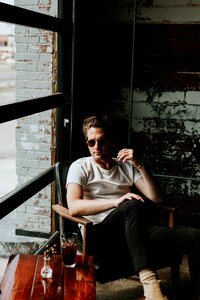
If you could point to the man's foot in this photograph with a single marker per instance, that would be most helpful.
(152, 291)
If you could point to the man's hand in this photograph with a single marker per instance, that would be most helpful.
(129, 154)
(128, 196)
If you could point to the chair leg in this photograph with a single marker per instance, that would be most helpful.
(175, 279)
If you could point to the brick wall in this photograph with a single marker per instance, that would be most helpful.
(166, 119)
(34, 55)
(178, 11)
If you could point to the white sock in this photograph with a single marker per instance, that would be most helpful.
(147, 276)
(151, 285)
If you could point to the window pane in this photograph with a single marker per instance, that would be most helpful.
(8, 176)
(7, 63)
(28, 70)
(47, 7)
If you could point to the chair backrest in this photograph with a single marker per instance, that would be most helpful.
(61, 170)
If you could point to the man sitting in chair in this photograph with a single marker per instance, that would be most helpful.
(99, 187)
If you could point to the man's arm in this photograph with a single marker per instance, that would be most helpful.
(79, 206)
(147, 184)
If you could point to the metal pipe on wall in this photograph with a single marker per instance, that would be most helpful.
(132, 74)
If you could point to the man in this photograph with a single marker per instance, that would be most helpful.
(99, 187)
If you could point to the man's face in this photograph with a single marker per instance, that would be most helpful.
(99, 146)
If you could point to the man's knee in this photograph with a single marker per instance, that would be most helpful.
(134, 206)
(195, 234)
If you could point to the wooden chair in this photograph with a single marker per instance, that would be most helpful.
(112, 269)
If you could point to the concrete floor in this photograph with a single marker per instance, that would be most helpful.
(131, 288)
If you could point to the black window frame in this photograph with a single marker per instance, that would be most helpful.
(61, 101)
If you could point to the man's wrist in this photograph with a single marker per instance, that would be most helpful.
(138, 167)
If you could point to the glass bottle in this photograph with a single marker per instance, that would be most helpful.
(46, 270)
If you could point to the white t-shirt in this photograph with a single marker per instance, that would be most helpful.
(99, 183)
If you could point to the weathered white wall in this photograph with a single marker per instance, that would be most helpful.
(171, 120)
(166, 121)
(34, 72)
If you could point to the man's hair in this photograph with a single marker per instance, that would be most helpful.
(97, 121)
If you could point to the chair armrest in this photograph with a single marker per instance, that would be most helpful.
(64, 212)
(171, 211)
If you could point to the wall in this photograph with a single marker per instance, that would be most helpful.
(164, 111)
(167, 112)
(34, 73)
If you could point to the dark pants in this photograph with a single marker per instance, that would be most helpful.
(127, 230)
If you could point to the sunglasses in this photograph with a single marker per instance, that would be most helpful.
(101, 142)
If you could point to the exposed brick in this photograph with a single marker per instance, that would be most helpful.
(33, 133)
(172, 3)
